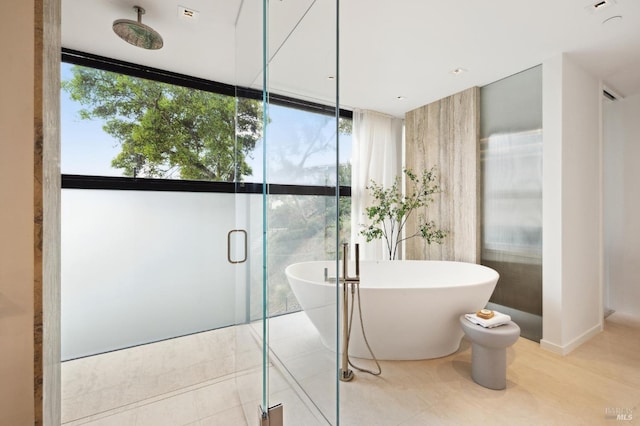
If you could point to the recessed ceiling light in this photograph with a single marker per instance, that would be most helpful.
(400, 98)
(331, 77)
(458, 71)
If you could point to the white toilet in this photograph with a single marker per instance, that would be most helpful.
(489, 352)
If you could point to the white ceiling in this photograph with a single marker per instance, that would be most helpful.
(387, 49)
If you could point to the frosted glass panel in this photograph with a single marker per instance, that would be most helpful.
(513, 104)
(139, 267)
(512, 207)
(511, 158)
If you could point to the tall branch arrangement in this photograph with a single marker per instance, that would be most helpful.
(388, 216)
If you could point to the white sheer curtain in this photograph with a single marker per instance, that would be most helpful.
(377, 156)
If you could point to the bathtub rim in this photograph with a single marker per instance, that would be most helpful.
(466, 283)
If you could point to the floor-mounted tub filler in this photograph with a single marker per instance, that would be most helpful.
(410, 308)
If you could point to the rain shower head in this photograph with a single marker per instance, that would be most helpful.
(137, 33)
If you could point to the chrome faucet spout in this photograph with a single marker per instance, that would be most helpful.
(346, 278)
(358, 260)
(345, 261)
(345, 264)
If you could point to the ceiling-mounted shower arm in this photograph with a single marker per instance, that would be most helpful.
(141, 12)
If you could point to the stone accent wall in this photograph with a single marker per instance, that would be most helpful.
(445, 134)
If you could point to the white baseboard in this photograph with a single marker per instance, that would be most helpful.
(551, 347)
(569, 347)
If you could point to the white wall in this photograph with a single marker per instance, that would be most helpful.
(16, 217)
(622, 204)
(572, 205)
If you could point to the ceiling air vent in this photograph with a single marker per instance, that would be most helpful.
(600, 5)
(188, 14)
(610, 94)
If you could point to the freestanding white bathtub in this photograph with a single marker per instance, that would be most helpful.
(410, 308)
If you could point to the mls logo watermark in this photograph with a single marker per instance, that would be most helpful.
(624, 414)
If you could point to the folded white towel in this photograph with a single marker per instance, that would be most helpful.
(496, 320)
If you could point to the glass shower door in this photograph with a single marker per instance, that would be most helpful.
(302, 204)
(290, 199)
(252, 336)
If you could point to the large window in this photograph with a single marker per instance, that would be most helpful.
(143, 128)
(115, 124)
(150, 166)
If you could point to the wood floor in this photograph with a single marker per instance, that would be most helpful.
(590, 386)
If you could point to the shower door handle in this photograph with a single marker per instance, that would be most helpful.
(244, 237)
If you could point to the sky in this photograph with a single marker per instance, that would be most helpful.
(86, 148)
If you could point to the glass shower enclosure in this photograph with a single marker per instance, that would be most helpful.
(156, 260)
(289, 51)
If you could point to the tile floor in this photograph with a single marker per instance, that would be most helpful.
(211, 378)
(214, 378)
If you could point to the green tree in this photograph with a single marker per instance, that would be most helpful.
(165, 129)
